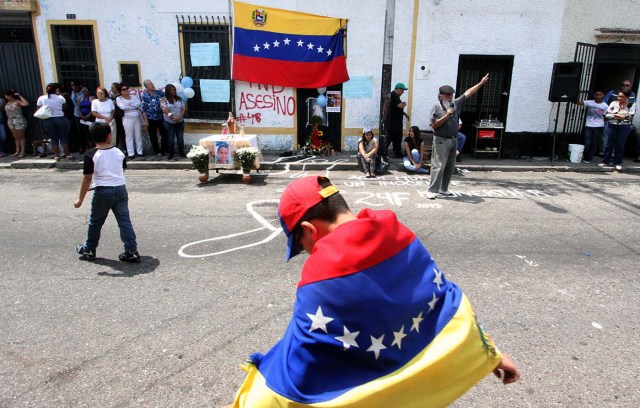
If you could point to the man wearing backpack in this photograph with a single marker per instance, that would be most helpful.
(395, 118)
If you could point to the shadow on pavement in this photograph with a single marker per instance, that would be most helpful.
(127, 270)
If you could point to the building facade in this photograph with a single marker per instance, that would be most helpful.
(423, 43)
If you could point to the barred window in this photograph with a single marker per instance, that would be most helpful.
(193, 30)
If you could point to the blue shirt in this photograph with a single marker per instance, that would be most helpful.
(151, 105)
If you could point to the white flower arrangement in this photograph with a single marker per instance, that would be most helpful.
(246, 156)
(199, 156)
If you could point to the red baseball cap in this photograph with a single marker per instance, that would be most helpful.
(296, 200)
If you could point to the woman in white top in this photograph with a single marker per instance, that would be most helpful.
(367, 152)
(619, 116)
(131, 121)
(102, 108)
(56, 125)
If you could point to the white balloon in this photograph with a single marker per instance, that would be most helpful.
(189, 92)
(179, 87)
(321, 91)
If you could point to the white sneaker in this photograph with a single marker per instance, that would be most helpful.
(618, 167)
(430, 195)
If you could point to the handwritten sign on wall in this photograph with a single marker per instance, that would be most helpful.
(358, 87)
(215, 90)
(205, 54)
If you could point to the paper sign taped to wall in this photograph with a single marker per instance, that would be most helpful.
(215, 90)
(205, 54)
(358, 87)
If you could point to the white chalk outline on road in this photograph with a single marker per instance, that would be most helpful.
(304, 161)
(275, 231)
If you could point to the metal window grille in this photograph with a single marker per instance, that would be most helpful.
(574, 114)
(207, 30)
(16, 33)
(75, 55)
(492, 99)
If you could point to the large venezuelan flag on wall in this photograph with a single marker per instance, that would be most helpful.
(375, 324)
(287, 48)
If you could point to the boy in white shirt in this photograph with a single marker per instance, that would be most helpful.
(594, 125)
(104, 165)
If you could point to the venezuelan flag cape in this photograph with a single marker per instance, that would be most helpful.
(287, 48)
(375, 324)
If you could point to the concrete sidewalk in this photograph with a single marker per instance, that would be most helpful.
(344, 161)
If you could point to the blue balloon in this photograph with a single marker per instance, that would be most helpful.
(321, 101)
(187, 82)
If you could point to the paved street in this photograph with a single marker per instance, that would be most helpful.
(549, 260)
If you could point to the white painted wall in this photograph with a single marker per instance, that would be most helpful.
(528, 30)
(537, 34)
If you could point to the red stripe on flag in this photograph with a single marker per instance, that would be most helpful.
(290, 73)
(356, 246)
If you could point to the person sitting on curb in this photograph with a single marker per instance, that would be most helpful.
(375, 322)
(413, 153)
(367, 153)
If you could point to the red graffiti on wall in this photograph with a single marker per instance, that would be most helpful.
(267, 97)
(249, 118)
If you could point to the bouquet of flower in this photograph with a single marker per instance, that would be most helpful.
(199, 157)
(246, 156)
(315, 144)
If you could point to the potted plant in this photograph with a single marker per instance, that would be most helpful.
(199, 157)
(246, 156)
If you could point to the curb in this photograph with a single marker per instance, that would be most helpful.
(311, 166)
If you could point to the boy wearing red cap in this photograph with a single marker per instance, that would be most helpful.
(375, 322)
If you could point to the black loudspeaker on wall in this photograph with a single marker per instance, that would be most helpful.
(565, 81)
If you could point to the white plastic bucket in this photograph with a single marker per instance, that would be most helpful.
(575, 153)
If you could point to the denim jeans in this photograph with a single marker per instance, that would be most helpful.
(58, 130)
(116, 200)
(592, 137)
(616, 136)
(175, 130)
(408, 165)
(3, 135)
(462, 138)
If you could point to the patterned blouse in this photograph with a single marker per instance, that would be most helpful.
(151, 105)
(174, 109)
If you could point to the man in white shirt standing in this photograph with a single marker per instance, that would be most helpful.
(594, 125)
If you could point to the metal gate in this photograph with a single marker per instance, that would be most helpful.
(75, 55)
(207, 29)
(574, 114)
(19, 69)
(492, 100)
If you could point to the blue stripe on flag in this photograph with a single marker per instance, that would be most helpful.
(287, 47)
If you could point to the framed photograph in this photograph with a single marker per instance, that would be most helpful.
(334, 101)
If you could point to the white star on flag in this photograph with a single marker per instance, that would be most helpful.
(397, 338)
(256, 48)
(320, 49)
(310, 46)
(300, 43)
(438, 279)
(276, 43)
(319, 321)
(329, 52)
(433, 302)
(287, 41)
(348, 339)
(266, 45)
(376, 345)
(416, 323)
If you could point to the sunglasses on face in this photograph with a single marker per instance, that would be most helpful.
(625, 85)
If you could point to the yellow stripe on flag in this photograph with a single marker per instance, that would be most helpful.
(453, 363)
(284, 21)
